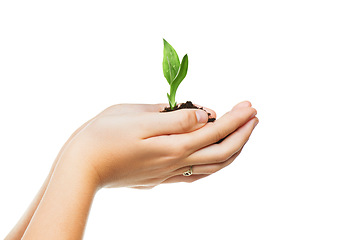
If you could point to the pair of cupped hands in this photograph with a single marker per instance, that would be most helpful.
(136, 145)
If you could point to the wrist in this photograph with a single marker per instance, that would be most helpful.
(75, 162)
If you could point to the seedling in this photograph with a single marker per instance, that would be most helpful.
(173, 70)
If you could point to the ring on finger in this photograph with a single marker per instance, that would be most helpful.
(188, 173)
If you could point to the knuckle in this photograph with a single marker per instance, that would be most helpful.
(246, 137)
(173, 154)
(229, 152)
(224, 156)
(187, 120)
(178, 150)
(218, 135)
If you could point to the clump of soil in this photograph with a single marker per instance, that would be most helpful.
(186, 105)
(189, 104)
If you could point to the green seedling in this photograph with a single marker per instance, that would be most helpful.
(173, 70)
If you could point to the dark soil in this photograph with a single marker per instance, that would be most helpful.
(189, 104)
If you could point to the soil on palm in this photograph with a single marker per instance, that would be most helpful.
(186, 105)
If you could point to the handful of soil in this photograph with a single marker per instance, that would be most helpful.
(186, 105)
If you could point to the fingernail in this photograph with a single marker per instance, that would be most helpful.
(201, 116)
(256, 122)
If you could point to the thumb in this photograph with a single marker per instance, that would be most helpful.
(175, 122)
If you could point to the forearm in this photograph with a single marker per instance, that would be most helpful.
(64, 208)
(19, 229)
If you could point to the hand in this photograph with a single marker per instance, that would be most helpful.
(137, 146)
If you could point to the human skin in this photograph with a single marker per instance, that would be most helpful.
(130, 146)
(19, 229)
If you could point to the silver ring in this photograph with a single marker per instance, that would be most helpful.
(188, 173)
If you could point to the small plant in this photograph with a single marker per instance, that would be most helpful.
(173, 70)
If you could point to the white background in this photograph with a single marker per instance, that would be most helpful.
(62, 62)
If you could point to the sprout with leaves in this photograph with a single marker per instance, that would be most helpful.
(173, 70)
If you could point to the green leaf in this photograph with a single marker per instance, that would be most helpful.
(182, 72)
(171, 62)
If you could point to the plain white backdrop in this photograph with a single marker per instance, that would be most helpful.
(62, 62)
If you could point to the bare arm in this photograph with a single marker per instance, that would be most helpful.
(64, 208)
(131, 146)
(19, 229)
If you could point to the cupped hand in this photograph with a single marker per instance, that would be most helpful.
(135, 145)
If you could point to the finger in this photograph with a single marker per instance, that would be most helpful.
(175, 122)
(207, 168)
(213, 168)
(211, 113)
(218, 153)
(181, 178)
(242, 104)
(221, 128)
(208, 110)
(199, 171)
